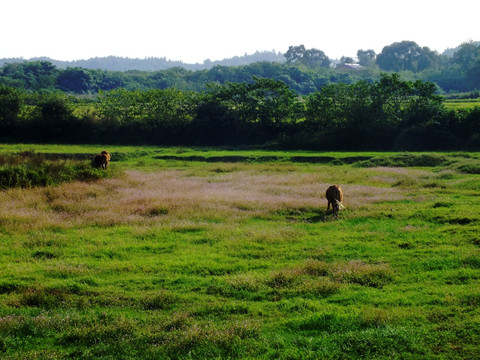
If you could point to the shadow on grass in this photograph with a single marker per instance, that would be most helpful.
(306, 215)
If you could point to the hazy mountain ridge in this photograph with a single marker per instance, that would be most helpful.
(116, 63)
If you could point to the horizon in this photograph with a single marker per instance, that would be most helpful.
(195, 31)
(142, 58)
(207, 59)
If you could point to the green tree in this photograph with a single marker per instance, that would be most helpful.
(75, 80)
(370, 115)
(310, 58)
(54, 121)
(449, 78)
(406, 56)
(340, 115)
(326, 110)
(366, 57)
(346, 60)
(294, 54)
(219, 112)
(427, 60)
(246, 113)
(313, 58)
(466, 55)
(39, 75)
(424, 106)
(155, 115)
(273, 105)
(117, 107)
(473, 75)
(11, 101)
(390, 95)
(107, 80)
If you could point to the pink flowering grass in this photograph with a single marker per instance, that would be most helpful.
(170, 196)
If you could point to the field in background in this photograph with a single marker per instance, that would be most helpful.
(465, 104)
(197, 253)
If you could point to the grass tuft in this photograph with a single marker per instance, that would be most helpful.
(46, 298)
(315, 268)
(359, 272)
(161, 301)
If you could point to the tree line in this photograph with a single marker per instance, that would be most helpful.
(305, 71)
(44, 76)
(117, 63)
(386, 114)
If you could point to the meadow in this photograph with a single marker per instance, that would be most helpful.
(462, 104)
(181, 253)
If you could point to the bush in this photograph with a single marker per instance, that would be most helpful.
(469, 169)
(405, 160)
(28, 169)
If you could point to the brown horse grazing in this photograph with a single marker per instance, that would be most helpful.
(109, 156)
(334, 196)
(101, 161)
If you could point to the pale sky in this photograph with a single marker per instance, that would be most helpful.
(195, 30)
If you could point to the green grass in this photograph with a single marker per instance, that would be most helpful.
(175, 258)
(464, 104)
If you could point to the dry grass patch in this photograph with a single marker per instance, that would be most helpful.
(360, 195)
(174, 195)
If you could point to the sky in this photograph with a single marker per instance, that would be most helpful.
(195, 30)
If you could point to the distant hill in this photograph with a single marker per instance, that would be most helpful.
(114, 63)
(450, 51)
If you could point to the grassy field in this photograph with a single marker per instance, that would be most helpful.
(216, 254)
(465, 104)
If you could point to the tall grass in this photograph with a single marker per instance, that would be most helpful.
(29, 169)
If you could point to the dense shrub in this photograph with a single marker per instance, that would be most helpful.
(28, 169)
